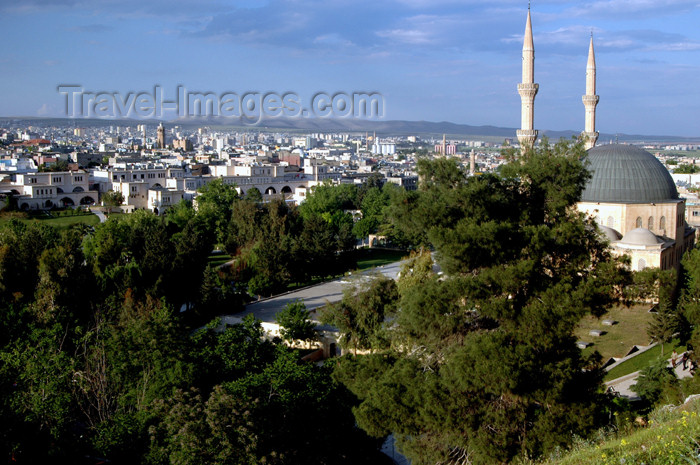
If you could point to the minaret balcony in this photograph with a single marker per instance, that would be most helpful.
(528, 89)
(528, 133)
(590, 99)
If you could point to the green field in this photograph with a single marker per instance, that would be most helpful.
(618, 340)
(643, 360)
(217, 259)
(372, 258)
(61, 222)
(630, 330)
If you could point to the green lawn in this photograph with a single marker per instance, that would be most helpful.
(216, 259)
(630, 330)
(371, 258)
(643, 360)
(367, 258)
(61, 222)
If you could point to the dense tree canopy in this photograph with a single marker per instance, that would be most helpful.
(483, 365)
(97, 362)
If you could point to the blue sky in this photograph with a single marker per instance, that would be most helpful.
(434, 60)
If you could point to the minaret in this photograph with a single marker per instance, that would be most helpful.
(590, 100)
(161, 137)
(527, 90)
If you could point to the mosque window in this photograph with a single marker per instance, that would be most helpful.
(662, 223)
(639, 222)
(611, 222)
(641, 264)
(650, 223)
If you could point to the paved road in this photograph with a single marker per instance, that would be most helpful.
(313, 297)
(624, 384)
(100, 215)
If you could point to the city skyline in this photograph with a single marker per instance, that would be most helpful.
(435, 61)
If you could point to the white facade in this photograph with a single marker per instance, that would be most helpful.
(43, 191)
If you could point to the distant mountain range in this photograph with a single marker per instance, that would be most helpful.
(382, 127)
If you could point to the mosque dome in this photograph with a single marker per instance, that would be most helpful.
(609, 233)
(627, 174)
(641, 236)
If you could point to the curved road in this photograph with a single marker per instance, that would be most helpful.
(313, 296)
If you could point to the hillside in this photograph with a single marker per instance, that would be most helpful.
(381, 126)
(672, 436)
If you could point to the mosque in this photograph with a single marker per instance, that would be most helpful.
(631, 194)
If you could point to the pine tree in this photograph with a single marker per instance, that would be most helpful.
(483, 365)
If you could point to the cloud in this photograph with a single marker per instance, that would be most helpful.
(575, 37)
(91, 28)
(408, 36)
(45, 110)
(333, 40)
(627, 9)
(390, 27)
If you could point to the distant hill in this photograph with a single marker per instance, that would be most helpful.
(383, 127)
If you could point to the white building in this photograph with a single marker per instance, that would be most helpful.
(44, 191)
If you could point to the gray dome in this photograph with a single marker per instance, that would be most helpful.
(627, 174)
(609, 233)
(640, 236)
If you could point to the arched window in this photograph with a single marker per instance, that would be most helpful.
(662, 223)
(639, 222)
(651, 223)
(641, 264)
(611, 222)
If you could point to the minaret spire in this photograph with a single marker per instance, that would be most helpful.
(590, 100)
(527, 90)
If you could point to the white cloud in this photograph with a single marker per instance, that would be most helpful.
(630, 8)
(44, 110)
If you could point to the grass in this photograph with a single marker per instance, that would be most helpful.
(643, 360)
(630, 330)
(218, 258)
(367, 258)
(372, 258)
(671, 437)
(60, 222)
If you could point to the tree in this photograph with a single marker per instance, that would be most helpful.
(60, 165)
(112, 198)
(374, 200)
(666, 322)
(253, 195)
(293, 393)
(327, 198)
(316, 249)
(483, 359)
(191, 431)
(41, 368)
(95, 361)
(416, 271)
(654, 380)
(361, 314)
(689, 300)
(215, 200)
(295, 323)
(21, 245)
(216, 295)
(685, 168)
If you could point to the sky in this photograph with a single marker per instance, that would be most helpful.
(432, 60)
